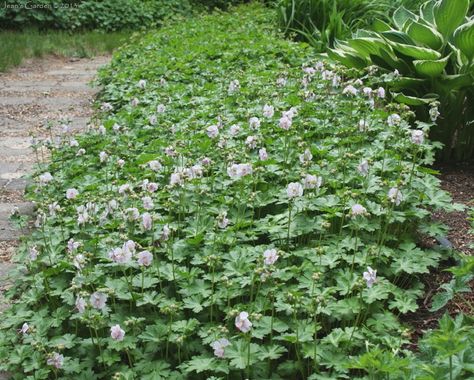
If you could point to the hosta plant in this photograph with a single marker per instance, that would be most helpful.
(431, 53)
(236, 210)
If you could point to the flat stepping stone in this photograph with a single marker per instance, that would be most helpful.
(8, 232)
(15, 100)
(13, 184)
(24, 208)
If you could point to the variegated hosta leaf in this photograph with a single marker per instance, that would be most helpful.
(464, 39)
(347, 59)
(424, 34)
(431, 68)
(401, 16)
(449, 14)
(412, 100)
(416, 52)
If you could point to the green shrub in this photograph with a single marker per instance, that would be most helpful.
(107, 15)
(433, 53)
(227, 173)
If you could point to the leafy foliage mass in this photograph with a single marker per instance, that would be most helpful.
(239, 210)
(108, 15)
(433, 52)
(321, 22)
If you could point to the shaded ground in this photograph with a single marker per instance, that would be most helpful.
(458, 180)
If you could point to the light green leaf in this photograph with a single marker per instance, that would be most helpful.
(411, 100)
(401, 16)
(464, 39)
(431, 68)
(449, 14)
(416, 51)
(425, 35)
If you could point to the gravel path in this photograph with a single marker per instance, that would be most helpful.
(32, 96)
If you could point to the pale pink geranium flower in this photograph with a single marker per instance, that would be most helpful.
(53, 208)
(206, 161)
(132, 213)
(80, 304)
(281, 82)
(262, 154)
(367, 91)
(153, 120)
(312, 182)
(147, 221)
(219, 346)
(45, 178)
(124, 188)
(98, 300)
(380, 93)
(222, 220)
(176, 178)
(141, 83)
(117, 255)
(155, 165)
(71, 193)
(106, 107)
(417, 137)
(234, 86)
(242, 322)
(434, 113)
(56, 360)
(152, 187)
(393, 120)
(358, 210)
(236, 171)
(395, 196)
(251, 142)
(72, 245)
(270, 256)
(120, 163)
(363, 168)
(285, 123)
(148, 203)
(116, 333)
(134, 102)
(212, 131)
(306, 157)
(169, 151)
(161, 108)
(82, 215)
(165, 234)
(79, 261)
(268, 111)
(370, 277)
(350, 90)
(145, 258)
(234, 130)
(254, 123)
(33, 253)
(25, 328)
(294, 190)
(103, 156)
(81, 152)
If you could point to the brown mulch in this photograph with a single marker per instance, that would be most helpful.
(458, 180)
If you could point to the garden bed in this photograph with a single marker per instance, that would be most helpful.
(239, 209)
